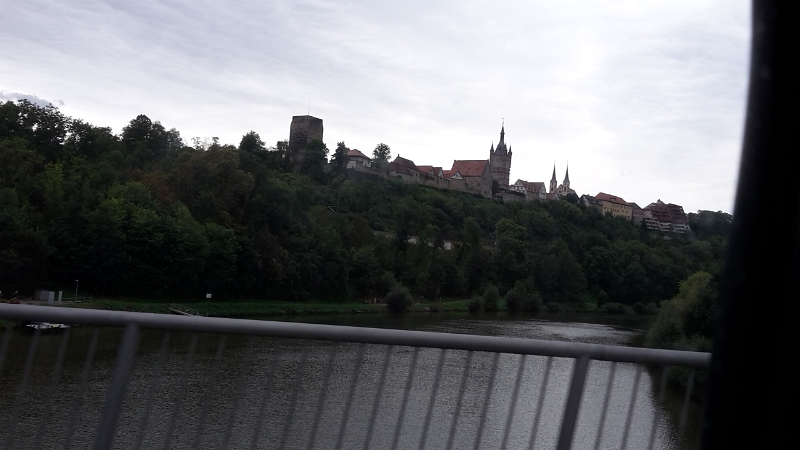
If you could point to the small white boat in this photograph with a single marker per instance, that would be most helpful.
(47, 326)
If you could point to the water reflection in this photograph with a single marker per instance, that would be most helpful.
(277, 376)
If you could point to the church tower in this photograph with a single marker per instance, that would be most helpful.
(566, 182)
(553, 181)
(500, 160)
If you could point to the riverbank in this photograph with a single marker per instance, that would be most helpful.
(270, 308)
(261, 308)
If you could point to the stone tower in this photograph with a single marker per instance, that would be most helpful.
(553, 181)
(566, 181)
(500, 160)
(303, 130)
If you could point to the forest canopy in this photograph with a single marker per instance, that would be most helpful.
(143, 213)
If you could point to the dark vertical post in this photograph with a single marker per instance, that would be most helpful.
(759, 292)
(573, 403)
(116, 390)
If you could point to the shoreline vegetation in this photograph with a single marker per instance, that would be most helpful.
(261, 308)
(146, 214)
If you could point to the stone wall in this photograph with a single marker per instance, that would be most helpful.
(303, 130)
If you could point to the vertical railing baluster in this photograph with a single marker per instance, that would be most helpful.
(287, 425)
(662, 387)
(201, 423)
(23, 386)
(461, 391)
(116, 390)
(378, 394)
(76, 409)
(512, 407)
(62, 349)
(631, 407)
(436, 380)
(486, 399)
(685, 407)
(269, 380)
(601, 426)
(151, 390)
(350, 394)
(321, 400)
(4, 346)
(187, 367)
(573, 403)
(407, 392)
(241, 381)
(540, 403)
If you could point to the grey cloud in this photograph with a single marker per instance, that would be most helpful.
(6, 95)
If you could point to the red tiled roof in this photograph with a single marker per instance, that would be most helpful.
(610, 198)
(426, 169)
(449, 173)
(354, 153)
(405, 162)
(399, 168)
(535, 186)
(470, 168)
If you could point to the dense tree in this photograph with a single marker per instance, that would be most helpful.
(339, 158)
(382, 153)
(141, 213)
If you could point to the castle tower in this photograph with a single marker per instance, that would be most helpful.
(553, 181)
(500, 160)
(303, 130)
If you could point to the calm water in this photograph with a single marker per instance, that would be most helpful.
(282, 378)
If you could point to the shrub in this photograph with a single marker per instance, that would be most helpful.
(614, 308)
(652, 308)
(515, 300)
(685, 321)
(491, 298)
(639, 308)
(522, 297)
(435, 307)
(475, 305)
(399, 300)
(602, 298)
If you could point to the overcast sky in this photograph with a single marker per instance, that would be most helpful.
(644, 99)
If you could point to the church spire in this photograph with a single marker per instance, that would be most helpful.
(554, 174)
(566, 177)
(502, 136)
(501, 146)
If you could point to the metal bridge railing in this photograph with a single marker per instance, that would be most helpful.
(206, 382)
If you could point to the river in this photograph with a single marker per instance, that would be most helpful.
(272, 378)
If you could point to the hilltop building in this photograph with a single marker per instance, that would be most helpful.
(533, 190)
(303, 130)
(355, 157)
(466, 175)
(500, 160)
(477, 174)
(563, 189)
(669, 217)
(614, 205)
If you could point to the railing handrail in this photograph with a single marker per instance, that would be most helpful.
(356, 334)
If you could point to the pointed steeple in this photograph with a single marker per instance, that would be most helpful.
(566, 177)
(554, 175)
(501, 146)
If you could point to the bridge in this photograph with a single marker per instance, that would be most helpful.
(204, 382)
